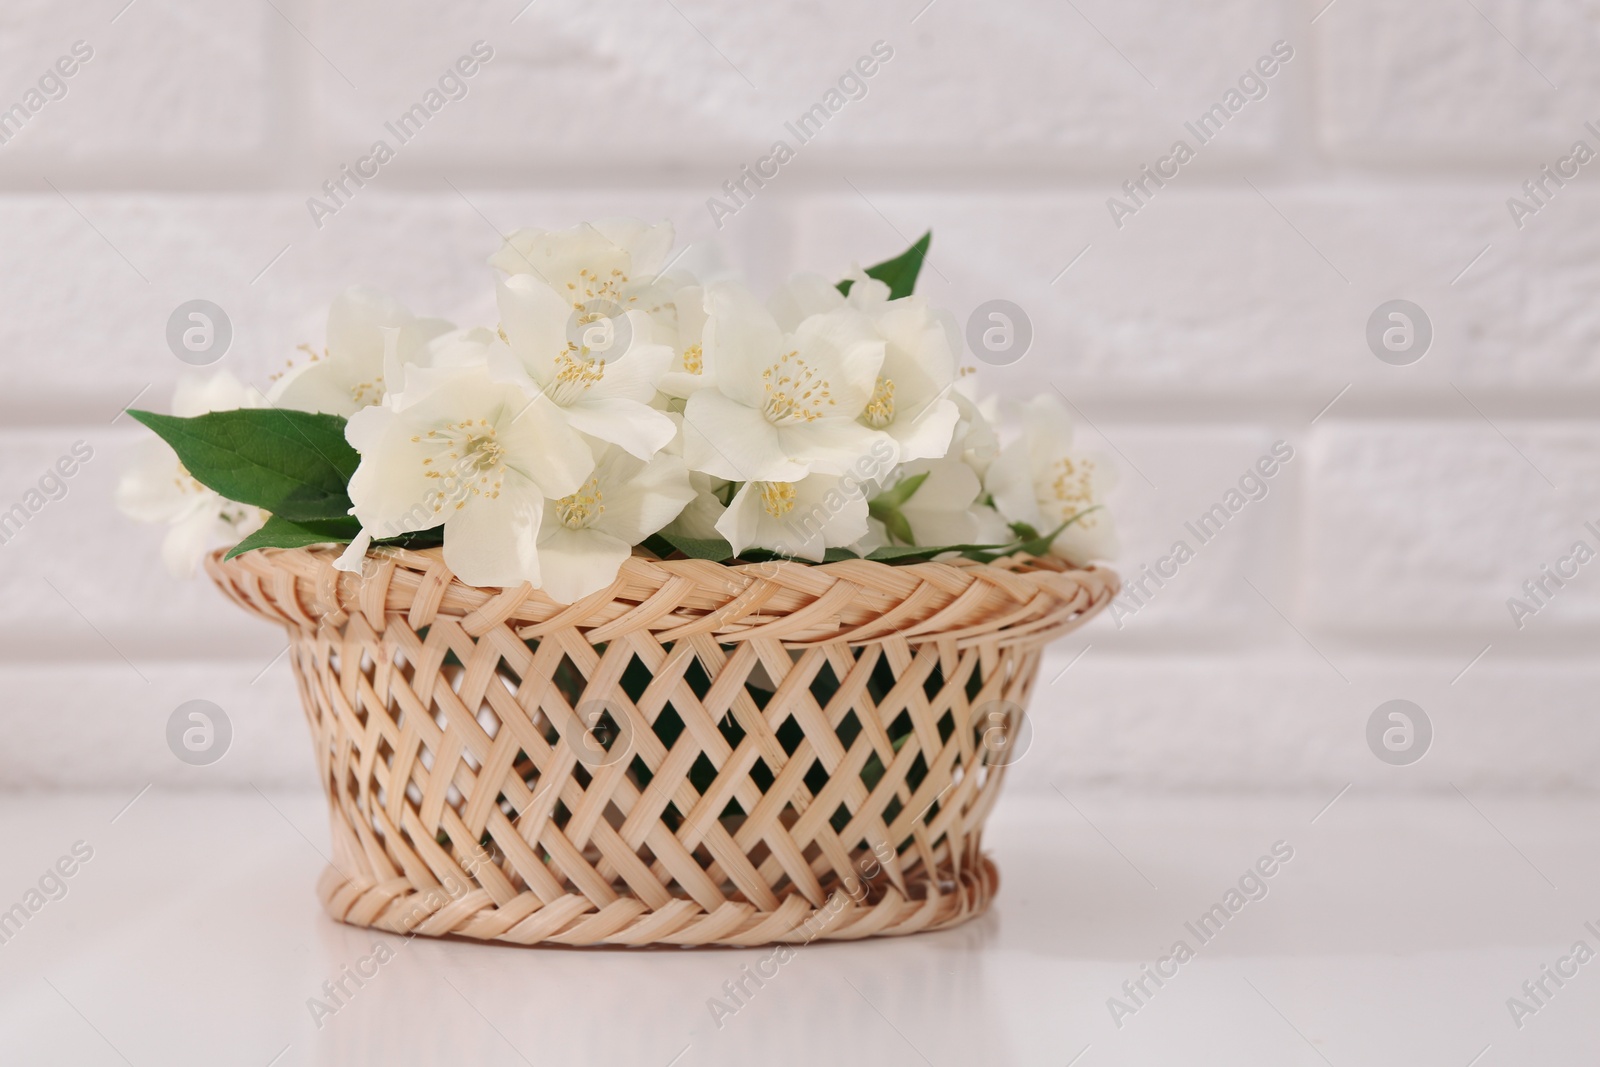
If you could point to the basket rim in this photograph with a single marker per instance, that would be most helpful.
(1017, 599)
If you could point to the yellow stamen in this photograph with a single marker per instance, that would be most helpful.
(581, 508)
(777, 498)
(478, 467)
(794, 391)
(880, 409)
(1073, 487)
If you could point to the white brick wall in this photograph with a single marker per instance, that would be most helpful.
(1224, 315)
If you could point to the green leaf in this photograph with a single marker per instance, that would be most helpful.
(1023, 531)
(898, 526)
(890, 553)
(899, 273)
(294, 464)
(893, 553)
(1035, 546)
(281, 533)
(429, 538)
(712, 548)
(720, 551)
(1039, 546)
(895, 497)
(885, 507)
(1028, 541)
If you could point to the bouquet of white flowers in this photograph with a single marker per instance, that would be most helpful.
(619, 406)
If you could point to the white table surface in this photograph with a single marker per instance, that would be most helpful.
(1394, 936)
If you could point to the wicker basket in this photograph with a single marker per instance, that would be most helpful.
(700, 754)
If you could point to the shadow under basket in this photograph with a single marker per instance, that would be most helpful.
(701, 754)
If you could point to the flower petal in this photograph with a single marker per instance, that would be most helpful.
(1048, 427)
(740, 341)
(318, 387)
(190, 538)
(197, 395)
(727, 439)
(351, 559)
(634, 375)
(391, 489)
(154, 487)
(355, 327)
(637, 427)
(834, 446)
(557, 257)
(876, 537)
(1009, 480)
(647, 245)
(926, 435)
(843, 348)
(738, 523)
(866, 292)
(801, 297)
(543, 446)
(641, 498)
(1091, 538)
(837, 505)
(578, 562)
(492, 540)
(699, 517)
(820, 512)
(534, 317)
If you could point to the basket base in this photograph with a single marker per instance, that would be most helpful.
(399, 907)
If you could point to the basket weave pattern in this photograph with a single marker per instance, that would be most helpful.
(802, 754)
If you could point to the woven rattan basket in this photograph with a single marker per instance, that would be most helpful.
(700, 754)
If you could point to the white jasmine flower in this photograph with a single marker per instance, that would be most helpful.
(468, 346)
(570, 259)
(801, 518)
(479, 456)
(699, 517)
(370, 336)
(688, 372)
(615, 400)
(157, 488)
(587, 534)
(1040, 480)
(781, 405)
(876, 537)
(911, 398)
(974, 441)
(944, 510)
(602, 394)
(806, 294)
(614, 266)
